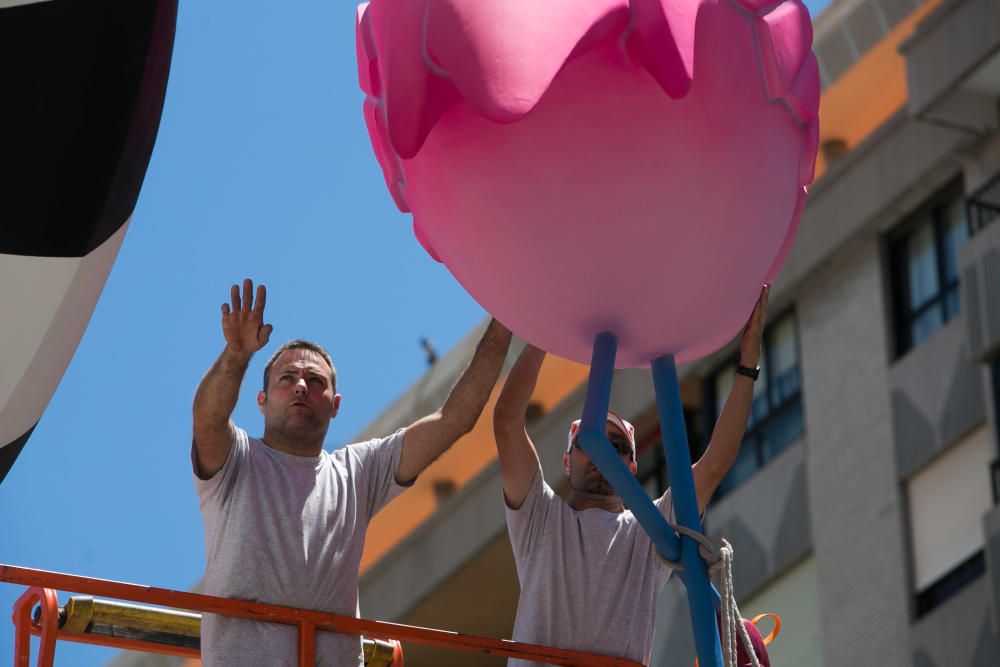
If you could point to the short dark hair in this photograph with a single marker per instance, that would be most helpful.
(301, 344)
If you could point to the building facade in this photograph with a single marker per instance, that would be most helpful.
(863, 507)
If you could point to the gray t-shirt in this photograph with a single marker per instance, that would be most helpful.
(589, 579)
(289, 530)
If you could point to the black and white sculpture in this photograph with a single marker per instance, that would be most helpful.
(82, 84)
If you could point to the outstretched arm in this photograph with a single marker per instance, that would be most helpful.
(731, 425)
(518, 458)
(245, 332)
(429, 437)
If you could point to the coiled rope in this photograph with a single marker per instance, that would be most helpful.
(718, 555)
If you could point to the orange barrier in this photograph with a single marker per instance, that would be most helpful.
(42, 591)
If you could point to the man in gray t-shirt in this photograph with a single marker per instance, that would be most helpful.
(589, 573)
(285, 521)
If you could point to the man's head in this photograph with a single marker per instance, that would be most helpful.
(583, 474)
(300, 396)
(300, 344)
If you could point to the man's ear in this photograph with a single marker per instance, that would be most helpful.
(566, 463)
(336, 405)
(633, 465)
(261, 400)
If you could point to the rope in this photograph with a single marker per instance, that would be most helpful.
(718, 555)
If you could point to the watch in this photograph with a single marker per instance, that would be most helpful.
(751, 373)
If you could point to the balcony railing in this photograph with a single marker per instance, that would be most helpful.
(995, 481)
(984, 205)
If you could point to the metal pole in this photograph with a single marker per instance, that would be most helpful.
(49, 620)
(307, 644)
(675, 446)
(594, 441)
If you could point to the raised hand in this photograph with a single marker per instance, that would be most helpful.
(243, 324)
(753, 332)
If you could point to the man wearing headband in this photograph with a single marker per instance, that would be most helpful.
(589, 573)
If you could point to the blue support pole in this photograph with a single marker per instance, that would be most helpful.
(675, 446)
(594, 441)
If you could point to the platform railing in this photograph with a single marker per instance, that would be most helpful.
(153, 629)
(36, 613)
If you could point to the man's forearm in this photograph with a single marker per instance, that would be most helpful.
(518, 458)
(219, 390)
(428, 438)
(727, 436)
(510, 409)
(468, 397)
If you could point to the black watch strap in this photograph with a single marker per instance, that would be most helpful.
(751, 373)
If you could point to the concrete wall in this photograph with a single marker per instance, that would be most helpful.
(795, 595)
(955, 39)
(937, 397)
(854, 497)
(956, 634)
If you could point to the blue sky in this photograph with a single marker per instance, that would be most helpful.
(262, 169)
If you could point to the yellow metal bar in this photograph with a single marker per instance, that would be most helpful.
(83, 612)
(79, 610)
(378, 653)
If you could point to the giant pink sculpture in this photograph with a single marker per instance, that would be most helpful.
(608, 165)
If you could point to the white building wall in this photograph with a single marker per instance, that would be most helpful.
(854, 495)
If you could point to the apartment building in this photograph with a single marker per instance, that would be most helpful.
(863, 507)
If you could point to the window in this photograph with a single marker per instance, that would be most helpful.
(952, 582)
(945, 502)
(652, 470)
(995, 466)
(776, 412)
(995, 386)
(924, 258)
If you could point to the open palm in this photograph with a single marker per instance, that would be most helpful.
(243, 323)
(753, 332)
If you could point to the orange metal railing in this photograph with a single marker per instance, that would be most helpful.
(42, 587)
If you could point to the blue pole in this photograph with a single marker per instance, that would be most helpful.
(594, 441)
(675, 446)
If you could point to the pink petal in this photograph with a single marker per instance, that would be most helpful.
(784, 37)
(755, 6)
(664, 37)
(418, 231)
(365, 45)
(803, 97)
(810, 146)
(387, 159)
(503, 55)
(410, 111)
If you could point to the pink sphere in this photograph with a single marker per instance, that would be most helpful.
(635, 167)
